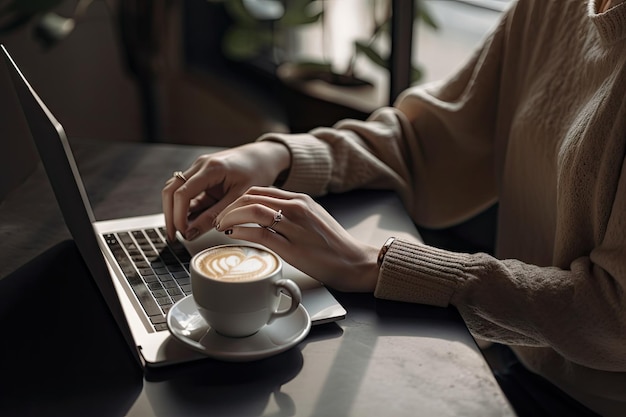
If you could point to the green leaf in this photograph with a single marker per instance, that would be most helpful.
(265, 10)
(416, 74)
(383, 28)
(424, 15)
(241, 43)
(299, 12)
(373, 55)
(17, 13)
(292, 19)
(312, 66)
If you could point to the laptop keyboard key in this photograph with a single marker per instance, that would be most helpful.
(147, 300)
(150, 265)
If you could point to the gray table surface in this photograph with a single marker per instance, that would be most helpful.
(384, 358)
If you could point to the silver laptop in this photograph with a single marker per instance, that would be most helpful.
(141, 275)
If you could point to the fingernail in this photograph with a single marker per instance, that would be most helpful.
(191, 234)
(228, 232)
(217, 227)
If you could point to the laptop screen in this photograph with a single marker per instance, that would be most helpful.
(58, 160)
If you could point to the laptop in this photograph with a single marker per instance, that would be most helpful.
(138, 272)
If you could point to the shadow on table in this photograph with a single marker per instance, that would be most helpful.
(60, 350)
(212, 387)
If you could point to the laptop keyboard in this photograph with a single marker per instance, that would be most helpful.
(157, 270)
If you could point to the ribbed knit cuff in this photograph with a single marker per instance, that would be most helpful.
(310, 163)
(612, 24)
(419, 273)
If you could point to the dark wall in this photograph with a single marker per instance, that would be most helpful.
(82, 79)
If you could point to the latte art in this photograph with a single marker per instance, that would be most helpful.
(238, 263)
(238, 289)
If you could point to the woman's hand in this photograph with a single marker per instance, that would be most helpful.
(306, 236)
(216, 180)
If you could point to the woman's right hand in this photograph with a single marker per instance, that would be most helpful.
(216, 180)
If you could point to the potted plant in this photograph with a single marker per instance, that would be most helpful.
(264, 27)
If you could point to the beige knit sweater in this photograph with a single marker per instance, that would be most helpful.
(536, 120)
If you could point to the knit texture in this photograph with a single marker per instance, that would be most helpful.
(536, 120)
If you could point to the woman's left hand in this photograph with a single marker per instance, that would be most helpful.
(304, 235)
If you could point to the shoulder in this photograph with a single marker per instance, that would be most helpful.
(543, 23)
(536, 11)
(551, 5)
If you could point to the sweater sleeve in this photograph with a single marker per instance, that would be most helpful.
(577, 311)
(570, 304)
(422, 148)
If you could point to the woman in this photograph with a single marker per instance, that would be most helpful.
(535, 121)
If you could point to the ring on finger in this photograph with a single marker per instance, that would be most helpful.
(278, 216)
(180, 176)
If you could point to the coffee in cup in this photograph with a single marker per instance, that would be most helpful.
(237, 288)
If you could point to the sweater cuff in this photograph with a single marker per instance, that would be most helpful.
(311, 164)
(418, 273)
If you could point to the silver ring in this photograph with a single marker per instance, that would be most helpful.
(278, 216)
(180, 176)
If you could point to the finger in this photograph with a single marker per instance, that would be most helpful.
(167, 200)
(277, 242)
(260, 214)
(206, 220)
(201, 203)
(271, 205)
(194, 188)
(259, 235)
(268, 196)
(273, 192)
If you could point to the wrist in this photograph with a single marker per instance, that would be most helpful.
(370, 280)
(281, 157)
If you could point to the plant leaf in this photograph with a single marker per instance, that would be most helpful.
(17, 13)
(265, 10)
(299, 12)
(369, 52)
(312, 66)
(416, 73)
(423, 13)
(242, 43)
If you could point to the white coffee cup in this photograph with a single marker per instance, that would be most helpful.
(237, 288)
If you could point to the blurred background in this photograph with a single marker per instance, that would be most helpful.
(222, 72)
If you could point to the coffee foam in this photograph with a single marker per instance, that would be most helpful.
(236, 263)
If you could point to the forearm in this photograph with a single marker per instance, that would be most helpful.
(576, 312)
(342, 158)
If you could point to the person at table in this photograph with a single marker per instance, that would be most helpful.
(535, 121)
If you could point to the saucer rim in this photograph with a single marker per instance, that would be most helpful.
(245, 356)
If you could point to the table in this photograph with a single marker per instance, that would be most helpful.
(385, 358)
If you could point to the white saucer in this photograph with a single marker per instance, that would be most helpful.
(187, 325)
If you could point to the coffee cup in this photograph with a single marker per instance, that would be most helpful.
(237, 288)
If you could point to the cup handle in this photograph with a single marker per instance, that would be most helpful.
(292, 289)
